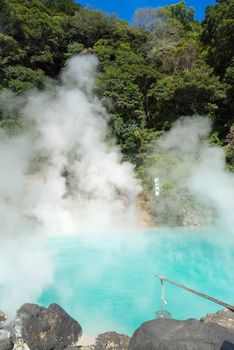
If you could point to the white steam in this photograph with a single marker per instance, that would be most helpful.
(85, 180)
(61, 175)
(195, 169)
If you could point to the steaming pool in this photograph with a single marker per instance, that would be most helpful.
(106, 281)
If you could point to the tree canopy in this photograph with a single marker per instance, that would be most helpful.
(165, 66)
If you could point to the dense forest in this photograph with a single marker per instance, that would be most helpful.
(165, 66)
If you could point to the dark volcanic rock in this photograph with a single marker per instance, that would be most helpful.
(180, 335)
(88, 347)
(223, 318)
(5, 340)
(80, 347)
(2, 316)
(47, 329)
(111, 341)
(227, 346)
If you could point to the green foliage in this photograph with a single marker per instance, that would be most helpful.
(215, 140)
(167, 66)
(19, 78)
(125, 81)
(218, 35)
(229, 153)
(65, 6)
(150, 74)
(10, 51)
(74, 49)
(12, 126)
(161, 20)
(227, 113)
(180, 13)
(88, 27)
(195, 91)
(37, 36)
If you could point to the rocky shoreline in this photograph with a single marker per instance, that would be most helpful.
(40, 328)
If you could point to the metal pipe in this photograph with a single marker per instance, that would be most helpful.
(230, 307)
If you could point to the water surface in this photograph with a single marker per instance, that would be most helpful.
(107, 280)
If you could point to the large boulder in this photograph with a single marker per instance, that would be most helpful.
(224, 318)
(180, 335)
(46, 329)
(5, 340)
(2, 316)
(81, 347)
(111, 341)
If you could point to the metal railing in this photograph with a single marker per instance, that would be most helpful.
(230, 307)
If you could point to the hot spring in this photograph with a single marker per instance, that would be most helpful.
(64, 173)
(107, 280)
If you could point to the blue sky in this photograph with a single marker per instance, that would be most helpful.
(124, 9)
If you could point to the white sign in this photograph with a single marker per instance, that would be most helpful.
(156, 186)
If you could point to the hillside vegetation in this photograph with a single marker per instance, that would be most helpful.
(166, 66)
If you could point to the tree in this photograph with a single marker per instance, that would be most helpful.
(218, 35)
(158, 20)
(87, 27)
(41, 35)
(149, 74)
(125, 82)
(194, 91)
(19, 78)
(67, 7)
(174, 44)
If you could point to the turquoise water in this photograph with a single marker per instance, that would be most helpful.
(107, 280)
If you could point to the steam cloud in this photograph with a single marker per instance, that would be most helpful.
(62, 174)
(196, 169)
